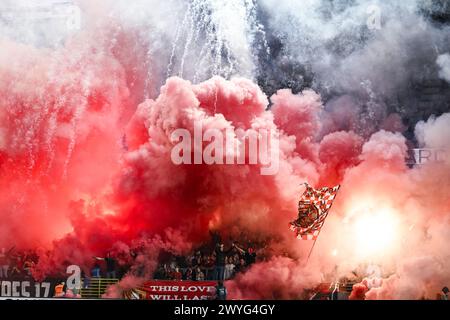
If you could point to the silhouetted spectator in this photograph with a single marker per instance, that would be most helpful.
(86, 279)
(199, 275)
(110, 265)
(166, 272)
(176, 274)
(17, 267)
(4, 265)
(208, 266)
(28, 266)
(95, 271)
(221, 255)
(188, 274)
(197, 259)
(159, 273)
(229, 268)
(444, 294)
(240, 266)
(249, 255)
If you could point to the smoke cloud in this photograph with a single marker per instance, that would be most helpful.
(443, 62)
(86, 119)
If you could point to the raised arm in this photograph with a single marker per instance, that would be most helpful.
(239, 248)
(231, 249)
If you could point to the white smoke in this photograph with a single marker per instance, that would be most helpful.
(343, 48)
(434, 133)
(443, 61)
(45, 23)
(348, 46)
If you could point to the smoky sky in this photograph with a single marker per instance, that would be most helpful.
(319, 44)
(328, 46)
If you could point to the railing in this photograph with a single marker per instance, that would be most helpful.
(97, 287)
(348, 286)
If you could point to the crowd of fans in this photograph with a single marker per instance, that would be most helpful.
(16, 264)
(219, 263)
(212, 261)
(216, 260)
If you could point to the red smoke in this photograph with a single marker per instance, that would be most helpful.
(84, 170)
(359, 291)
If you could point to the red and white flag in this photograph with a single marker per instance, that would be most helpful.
(313, 209)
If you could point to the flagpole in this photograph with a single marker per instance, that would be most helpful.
(311, 250)
(315, 240)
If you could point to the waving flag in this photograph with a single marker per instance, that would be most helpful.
(313, 209)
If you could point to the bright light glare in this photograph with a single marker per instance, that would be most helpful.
(376, 233)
